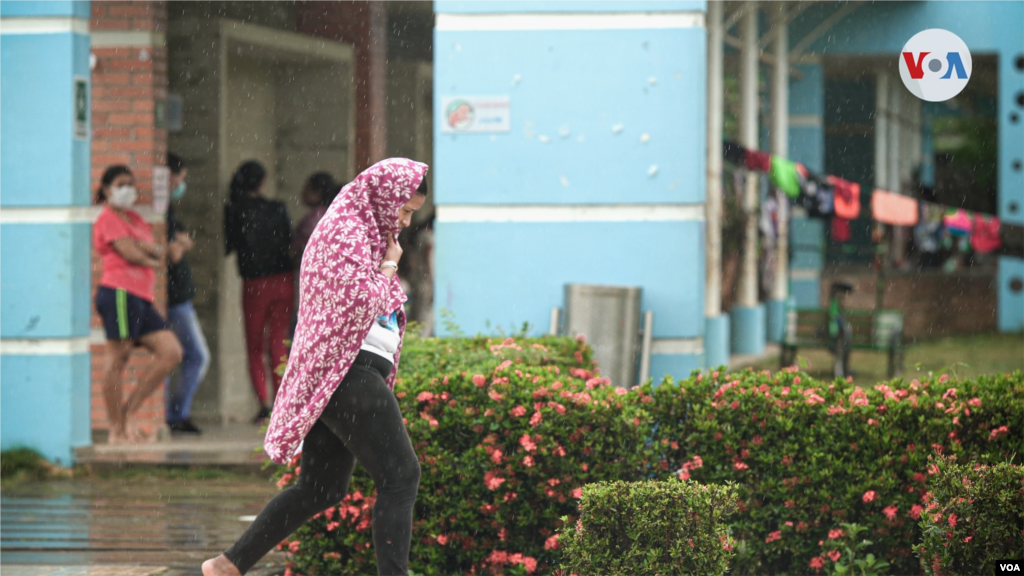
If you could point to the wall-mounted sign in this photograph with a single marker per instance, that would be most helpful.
(81, 108)
(161, 188)
(476, 114)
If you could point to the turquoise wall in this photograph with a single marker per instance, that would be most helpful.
(605, 118)
(44, 229)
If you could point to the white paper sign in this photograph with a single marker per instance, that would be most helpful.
(161, 188)
(476, 114)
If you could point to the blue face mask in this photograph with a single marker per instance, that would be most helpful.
(179, 191)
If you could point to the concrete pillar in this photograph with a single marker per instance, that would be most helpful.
(45, 227)
(597, 176)
(780, 146)
(716, 338)
(807, 145)
(1011, 183)
(364, 25)
(748, 316)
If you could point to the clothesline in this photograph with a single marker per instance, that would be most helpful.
(839, 199)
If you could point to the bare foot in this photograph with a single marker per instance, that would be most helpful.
(220, 566)
(118, 436)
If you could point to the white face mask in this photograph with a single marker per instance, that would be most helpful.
(123, 196)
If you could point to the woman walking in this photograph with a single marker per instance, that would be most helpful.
(336, 398)
(124, 300)
(258, 229)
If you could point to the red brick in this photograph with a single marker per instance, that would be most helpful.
(131, 145)
(109, 24)
(128, 65)
(130, 92)
(143, 105)
(110, 133)
(130, 119)
(105, 105)
(113, 52)
(143, 79)
(111, 79)
(111, 159)
(134, 9)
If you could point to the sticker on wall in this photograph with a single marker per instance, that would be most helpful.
(476, 114)
(81, 108)
(161, 188)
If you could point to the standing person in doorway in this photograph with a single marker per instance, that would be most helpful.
(337, 397)
(259, 230)
(124, 300)
(182, 316)
(318, 193)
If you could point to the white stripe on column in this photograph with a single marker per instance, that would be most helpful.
(677, 346)
(805, 120)
(571, 213)
(556, 21)
(67, 215)
(44, 347)
(804, 274)
(41, 25)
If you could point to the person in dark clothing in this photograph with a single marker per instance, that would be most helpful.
(259, 231)
(181, 315)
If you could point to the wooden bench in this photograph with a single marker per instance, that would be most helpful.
(880, 330)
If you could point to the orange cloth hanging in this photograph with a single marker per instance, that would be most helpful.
(847, 199)
(895, 209)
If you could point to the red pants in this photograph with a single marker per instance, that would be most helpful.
(267, 303)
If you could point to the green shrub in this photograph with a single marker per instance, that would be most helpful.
(505, 452)
(808, 456)
(974, 519)
(650, 527)
(507, 433)
(26, 464)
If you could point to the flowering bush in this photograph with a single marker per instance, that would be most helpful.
(508, 433)
(974, 518)
(650, 527)
(808, 456)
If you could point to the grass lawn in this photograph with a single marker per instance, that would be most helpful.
(982, 354)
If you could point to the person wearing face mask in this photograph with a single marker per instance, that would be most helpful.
(337, 404)
(124, 300)
(182, 315)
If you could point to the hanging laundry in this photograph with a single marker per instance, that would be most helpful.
(784, 176)
(757, 160)
(768, 223)
(985, 236)
(840, 230)
(847, 198)
(802, 171)
(895, 209)
(928, 232)
(733, 153)
(957, 221)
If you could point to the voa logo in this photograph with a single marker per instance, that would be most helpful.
(1011, 567)
(935, 65)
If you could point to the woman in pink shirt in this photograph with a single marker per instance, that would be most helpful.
(124, 300)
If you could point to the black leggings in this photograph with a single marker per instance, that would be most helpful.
(361, 422)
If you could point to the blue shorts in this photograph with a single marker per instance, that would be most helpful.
(126, 316)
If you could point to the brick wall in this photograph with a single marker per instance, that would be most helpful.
(128, 81)
(934, 304)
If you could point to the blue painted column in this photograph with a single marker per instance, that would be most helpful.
(596, 174)
(1011, 179)
(44, 227)
(807, 145)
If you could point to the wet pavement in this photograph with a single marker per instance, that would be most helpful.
(132, 525)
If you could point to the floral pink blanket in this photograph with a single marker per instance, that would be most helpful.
(341, 292)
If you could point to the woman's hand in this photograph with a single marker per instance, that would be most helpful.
(393, 254)
(394, 251)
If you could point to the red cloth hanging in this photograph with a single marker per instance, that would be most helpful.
(840, 229)
(757, 160)
(985, 236)
(847, 199)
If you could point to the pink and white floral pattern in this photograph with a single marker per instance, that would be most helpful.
(341, 293)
